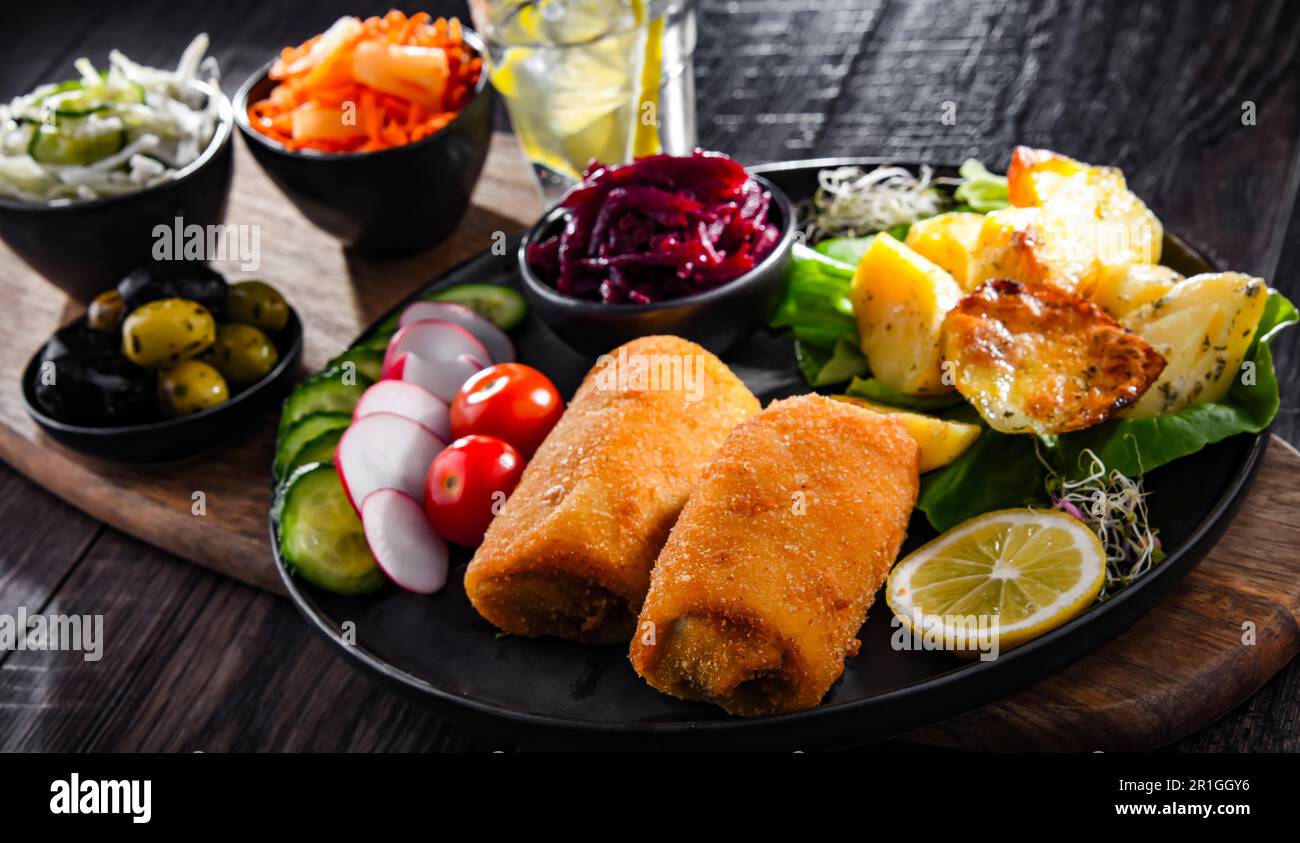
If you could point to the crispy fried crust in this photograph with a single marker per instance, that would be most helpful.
(1039, 360)
(758, 596)
(570, 553)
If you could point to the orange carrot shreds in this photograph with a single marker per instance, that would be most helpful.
(366, 85)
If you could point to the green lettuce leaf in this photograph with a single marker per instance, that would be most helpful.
(845, 362)
(997, 472)
(817, 309)
(873, 390)
(981, 191)
(848, 250)
(816, 294)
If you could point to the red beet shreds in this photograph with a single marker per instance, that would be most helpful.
(659, 228)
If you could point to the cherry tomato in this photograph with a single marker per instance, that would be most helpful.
(510, 401)
(467, 484)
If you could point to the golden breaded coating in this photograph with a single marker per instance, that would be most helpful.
(1038, 360)
(570, 553)
(758, 596)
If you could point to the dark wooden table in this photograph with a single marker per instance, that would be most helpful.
(1197, 102)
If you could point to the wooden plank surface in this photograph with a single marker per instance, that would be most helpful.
(1158, 88)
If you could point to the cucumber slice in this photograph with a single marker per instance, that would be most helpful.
(61, 88)
(368, 361)
(81, 105)
(319, 449)
(503, 305)
(328, 392)
(73, 99)
(67, 142)
(300, 433)
(321, 537)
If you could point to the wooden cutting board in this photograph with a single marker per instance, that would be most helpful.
(1181, 666)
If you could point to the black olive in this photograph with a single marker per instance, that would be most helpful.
(174, 280)
(96, 390)
(79, 340)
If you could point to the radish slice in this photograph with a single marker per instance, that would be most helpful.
(436, 342)
(448, 354)
(442, 379)
(405, 546)
(385, 451)
(408, 400)
(484, 330)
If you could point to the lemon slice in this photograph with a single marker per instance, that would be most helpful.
(645, 137)
(1008, 576)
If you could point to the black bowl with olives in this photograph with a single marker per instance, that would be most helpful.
(172, 363)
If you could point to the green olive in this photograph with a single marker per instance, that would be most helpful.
(257, 304)
(106, 311)
(242, 353)
(165, 332)
(190, 386)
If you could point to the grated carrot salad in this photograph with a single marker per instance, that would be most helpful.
(367, 85)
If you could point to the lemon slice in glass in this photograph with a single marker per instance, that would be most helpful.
(645, 137)
(1008, 576)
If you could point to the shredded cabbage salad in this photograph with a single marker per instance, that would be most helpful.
(109, 132)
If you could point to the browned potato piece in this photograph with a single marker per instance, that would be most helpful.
(1035, 247)
(1122, 292)
(1203, 327)
(949, 241)
(899, 299)
(1073, 227)
(1037, 360)
(1129, 232)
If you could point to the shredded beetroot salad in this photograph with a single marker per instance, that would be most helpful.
(659, 228)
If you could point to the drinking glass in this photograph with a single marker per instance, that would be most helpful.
(607, 80)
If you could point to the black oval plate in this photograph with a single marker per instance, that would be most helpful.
(438, 651)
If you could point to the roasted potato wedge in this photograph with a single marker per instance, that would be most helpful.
(941, 440)
(1126, 231)
(1202, 327)
(1035, 247)
(948, 240)
(899, 299)
(1121, 292)
(1074, 227)
(1038, 360)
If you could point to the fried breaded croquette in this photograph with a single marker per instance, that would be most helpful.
(570, 553)
(758, 595)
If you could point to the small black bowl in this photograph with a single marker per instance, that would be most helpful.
(181, 438)
(717, 319)
(84, 247)
(390, 203)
